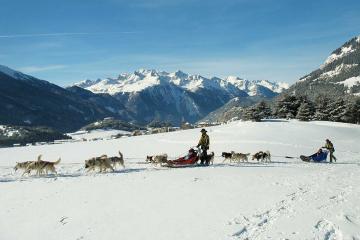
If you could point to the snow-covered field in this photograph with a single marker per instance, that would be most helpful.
(285, 199)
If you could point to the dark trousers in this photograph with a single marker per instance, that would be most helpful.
(204, 158)
(332, 156)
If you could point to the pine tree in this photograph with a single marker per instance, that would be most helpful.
(352, 111)
(252, 114)
(337, 110)
(287, 106)
(263, 110)
(322, 106)
(306, 111)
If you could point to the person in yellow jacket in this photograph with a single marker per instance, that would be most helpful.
(329, 146)
(204, 144)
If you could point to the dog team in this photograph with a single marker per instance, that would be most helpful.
(104, 163)
(243, 157)
(40, 166)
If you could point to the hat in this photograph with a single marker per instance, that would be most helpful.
(203, 130)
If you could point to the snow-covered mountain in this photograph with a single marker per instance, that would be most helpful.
(142, 79)
(339, 75)
(157, 95)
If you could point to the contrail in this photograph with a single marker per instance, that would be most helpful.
(60, 34)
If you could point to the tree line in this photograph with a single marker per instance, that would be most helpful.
(322, 108)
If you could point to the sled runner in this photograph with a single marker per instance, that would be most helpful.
(320, 156)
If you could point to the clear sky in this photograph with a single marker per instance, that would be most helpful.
(71, 40)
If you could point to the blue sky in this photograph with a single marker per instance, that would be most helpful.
(68, 41)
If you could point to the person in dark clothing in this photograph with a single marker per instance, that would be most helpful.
(329, 146)
(204, 144)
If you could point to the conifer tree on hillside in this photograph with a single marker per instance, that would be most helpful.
(252, 114)
(263, 109)
(306, 111)
(257, 112)
(337, 110)
(322, 106)
(352, 111)
(287, 106)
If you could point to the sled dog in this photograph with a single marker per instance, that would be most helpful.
(40, 166)
(157, 159)
(239, 157)
(226, 156)
(262, 156)
(211, 157)
(22, 165)
(117, 160)
(102, 162)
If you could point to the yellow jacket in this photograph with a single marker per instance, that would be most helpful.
(330, 146)
(204, 141)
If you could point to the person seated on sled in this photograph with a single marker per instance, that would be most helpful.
(189, 159)
(319, 156)
(190, 154)
(204, 144)
(319, 152)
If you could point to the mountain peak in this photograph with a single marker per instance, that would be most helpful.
(145, 72)
(179, 74)
(339, 74)
(145, 78)
(346, 49)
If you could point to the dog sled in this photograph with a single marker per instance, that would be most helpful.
(189, 160)
(320, 156)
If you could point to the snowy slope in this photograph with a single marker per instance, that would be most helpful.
(334, 74)
(285, 199)
(142, 79)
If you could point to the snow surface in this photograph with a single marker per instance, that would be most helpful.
(285, 199)
(350, 82)
(142, 79)
(339, 69)
(345, 50)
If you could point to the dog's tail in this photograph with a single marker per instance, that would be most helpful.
(57, 162)
(121, 159)
(247, 154)
(39, 157)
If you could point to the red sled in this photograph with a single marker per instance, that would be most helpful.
(189, 160)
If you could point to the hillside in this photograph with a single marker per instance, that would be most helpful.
(25, 100)
(338, 76)
(110, 123)
(10, 135)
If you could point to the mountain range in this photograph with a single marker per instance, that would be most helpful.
(141, 97)
(145, 96)
(150, 95)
